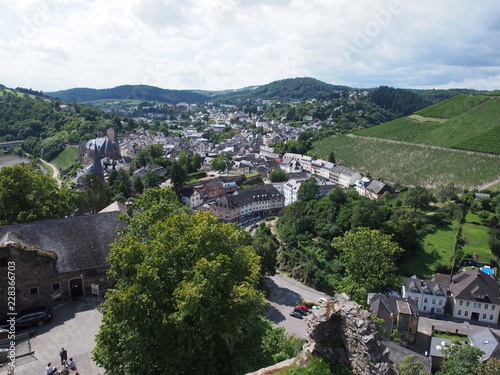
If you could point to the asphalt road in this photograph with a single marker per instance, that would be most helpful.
(285, 294)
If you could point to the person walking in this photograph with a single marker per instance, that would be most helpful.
(64, 356)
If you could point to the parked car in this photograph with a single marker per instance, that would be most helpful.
(296, 314)
(302, 309)
(321, 300)
(435, 316)
(26, 318)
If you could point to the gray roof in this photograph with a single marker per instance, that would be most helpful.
(80, 242)
(392, 304)
(425, 286)
(475, 282)
(488, 342)
(378, 187)
(247, 196)
(437, 345)
(397, 353)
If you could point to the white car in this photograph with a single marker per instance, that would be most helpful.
(322, 300)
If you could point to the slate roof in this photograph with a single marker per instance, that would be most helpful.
(247, 196)
(383, 305)
(475, 282)
(398, 352)
(488, 341)
(378, 187)
(432, 287)
(80, 242)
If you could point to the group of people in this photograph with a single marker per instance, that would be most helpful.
(64, 363)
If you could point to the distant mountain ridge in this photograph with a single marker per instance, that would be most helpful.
(131, 92)
(286, 89)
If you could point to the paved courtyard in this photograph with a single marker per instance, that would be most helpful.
(73, 327)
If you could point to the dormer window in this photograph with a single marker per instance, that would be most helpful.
(427, 291)
(439, 293)
(414, 290)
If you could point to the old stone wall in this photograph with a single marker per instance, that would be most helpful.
(36, 279)
(343, 333)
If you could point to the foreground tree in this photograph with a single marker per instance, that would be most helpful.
(460, 359)
(185, 299)
(369, 258)
(410, 365)
(26, 194)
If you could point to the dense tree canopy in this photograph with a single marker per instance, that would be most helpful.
(368, 257)
(185, 300)
(26, 194)
(460, 359)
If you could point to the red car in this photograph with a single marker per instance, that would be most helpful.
(303, 309)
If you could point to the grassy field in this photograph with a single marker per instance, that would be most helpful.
(463, 122)
(438, 247)
(66, 158)
(410, 165)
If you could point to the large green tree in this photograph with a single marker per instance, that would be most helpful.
(410, 365)
(460, 359)
(368, 257)
(185, 299)
(26, 194)
(266, 246)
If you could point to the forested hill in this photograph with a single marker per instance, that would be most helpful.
(398, 101)
(290, 89)
(131, 92)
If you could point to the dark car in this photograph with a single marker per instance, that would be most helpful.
(30, 317)
(296, 314)
(300, 311)
(435, 316)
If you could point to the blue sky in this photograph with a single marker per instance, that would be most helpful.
(52, 45)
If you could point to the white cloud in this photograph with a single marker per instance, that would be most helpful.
(219, 44)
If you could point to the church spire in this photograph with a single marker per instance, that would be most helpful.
(97, 167)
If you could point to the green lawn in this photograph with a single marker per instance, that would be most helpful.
(476, 238)
(66, 158)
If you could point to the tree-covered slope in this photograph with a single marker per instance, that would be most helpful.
(290, 89)
(464, 122)
(140, 92)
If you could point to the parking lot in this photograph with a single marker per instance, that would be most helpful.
(285, 294)
(73, 327)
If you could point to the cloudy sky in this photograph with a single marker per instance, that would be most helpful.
(52, 45)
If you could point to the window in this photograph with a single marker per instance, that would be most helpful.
(467, 304)
(491, 317)
(425, 307)
(486, 306)
(466, 313)
(461, 303)
(56, 286)
(440, 302)
(479, 305)
(425, 300)
(433, 301)
(493, 307)
(33, 291)
(459, 312)
(474, 305)
(484, 316)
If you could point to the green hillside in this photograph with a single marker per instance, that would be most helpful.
(462, 122)
(410, 165)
